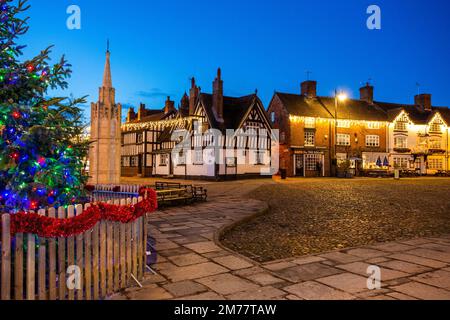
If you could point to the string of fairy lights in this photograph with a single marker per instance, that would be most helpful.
(152, 125)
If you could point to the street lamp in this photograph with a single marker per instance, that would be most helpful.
(338, 97)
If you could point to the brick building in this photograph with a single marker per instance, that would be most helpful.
(321, 136)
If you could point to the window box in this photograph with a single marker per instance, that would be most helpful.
(402, 150)
(436, 151)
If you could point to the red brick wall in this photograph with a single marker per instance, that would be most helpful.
(358, 135)
(294, 136)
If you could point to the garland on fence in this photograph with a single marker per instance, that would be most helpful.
(47, 227)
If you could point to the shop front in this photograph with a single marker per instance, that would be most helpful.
(309, 163)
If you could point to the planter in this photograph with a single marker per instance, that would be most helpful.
(283, 174)
(402, 150)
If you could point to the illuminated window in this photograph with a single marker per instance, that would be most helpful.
(343, 123)
(310, 123)
(373, 125)
(436, 127)
(435, 144)
(402, 123)
(401, 163)
(311, 161)
(309, 139)
(435, 164)
(372, 141)
(401, 126)
(343, 139)
(401, 142)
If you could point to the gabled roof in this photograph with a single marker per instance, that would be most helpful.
(324, 107)
(153, 115)
(415, 113)
(234, 110)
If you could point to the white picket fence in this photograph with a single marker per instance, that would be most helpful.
(109, 257)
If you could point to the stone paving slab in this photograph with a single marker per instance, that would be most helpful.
(193, 266)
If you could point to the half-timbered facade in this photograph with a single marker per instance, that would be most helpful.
(228, 138)
(140, 138)
(210, 136)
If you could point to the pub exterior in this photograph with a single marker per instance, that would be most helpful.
(326, 136)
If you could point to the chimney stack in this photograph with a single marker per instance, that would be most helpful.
(141, 112)
(169, 106)
(423, 101)
(131, 114)
(184, 105)
(366, 93)
(218, 96)
(193, 95)
(309, 88)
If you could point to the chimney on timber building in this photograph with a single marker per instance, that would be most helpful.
(131, 114)
(141, 112)
(217, 102)
(193, 95)
(169, 106)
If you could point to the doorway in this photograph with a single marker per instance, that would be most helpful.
(299, 165)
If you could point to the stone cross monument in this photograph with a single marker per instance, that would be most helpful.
(106, 115)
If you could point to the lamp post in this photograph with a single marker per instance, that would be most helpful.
(338, 97)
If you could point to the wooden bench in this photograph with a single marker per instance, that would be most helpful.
(377, 174)
(172, 192)
(169, 196)
(159, 185)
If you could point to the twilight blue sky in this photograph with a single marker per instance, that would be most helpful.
(157, 45)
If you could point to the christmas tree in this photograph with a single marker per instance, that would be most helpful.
(42, 149)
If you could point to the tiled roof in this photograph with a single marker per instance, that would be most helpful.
(324, 107)
(153, 115)
(234, 110)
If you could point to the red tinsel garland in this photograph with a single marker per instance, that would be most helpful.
(47, 227)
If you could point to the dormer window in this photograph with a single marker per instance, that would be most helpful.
(436, 128)
(401, 124)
